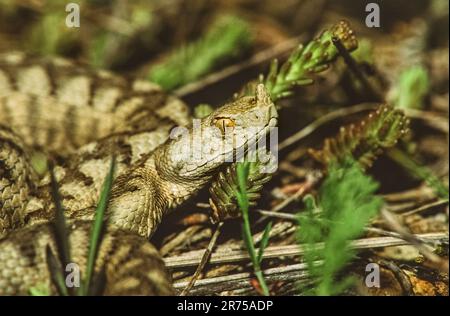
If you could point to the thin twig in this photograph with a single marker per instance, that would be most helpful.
(310, 128)
(204, 260)
(400, 275)
(312, 179)
(425, 207)
(421, 193)
(287, 216)
(395, 225)
(294, 218)
(434, 119)
(354, 68)
(239, 280)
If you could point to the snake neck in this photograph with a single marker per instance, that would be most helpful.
(174, 187)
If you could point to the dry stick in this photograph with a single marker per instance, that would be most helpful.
(395, 225)
(435, 120)
(288, 216)
(293, 217)
(310, 128)
(292, 169)
(425, 207)
(179, 239)
(310, 182)
(259, 58)
(293, 272)
(420, 193)
(241, 280)
(353, 66)
(204, 260)
(383, 232)
(401, 206)
(228, 256)
(400, 275)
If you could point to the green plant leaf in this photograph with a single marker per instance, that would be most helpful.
(97, 228)
(365, 140)
(227, 37)
(264, 241)
(248, 241)
(346, 203)
(305, 61)
(56, 272)
(411, 88)
(223, 200)
(243, 202)
(39, 290)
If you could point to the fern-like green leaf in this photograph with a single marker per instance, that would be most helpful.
(223, 189)
(227, 37)
(345, 205)
(305, 61)
(364, 141)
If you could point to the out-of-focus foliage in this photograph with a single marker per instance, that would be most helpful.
(345, 205)
(40, 290)
(202, 110)
(50, 35)
(364, 52)
(420, 172)
(412, 87)
(228, 37)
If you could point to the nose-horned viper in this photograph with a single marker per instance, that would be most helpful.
(84, 117)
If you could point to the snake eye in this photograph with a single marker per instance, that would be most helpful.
(223, 123)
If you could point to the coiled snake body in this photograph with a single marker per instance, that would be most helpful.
(83, 117)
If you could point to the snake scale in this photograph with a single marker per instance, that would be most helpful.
(82, 117)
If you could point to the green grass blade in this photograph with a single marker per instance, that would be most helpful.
(264, 241)
(56, 272)
(61, 234)
(97, 229)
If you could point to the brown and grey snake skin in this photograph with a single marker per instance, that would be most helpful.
(84, 117)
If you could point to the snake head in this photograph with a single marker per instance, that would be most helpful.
(222, 137)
